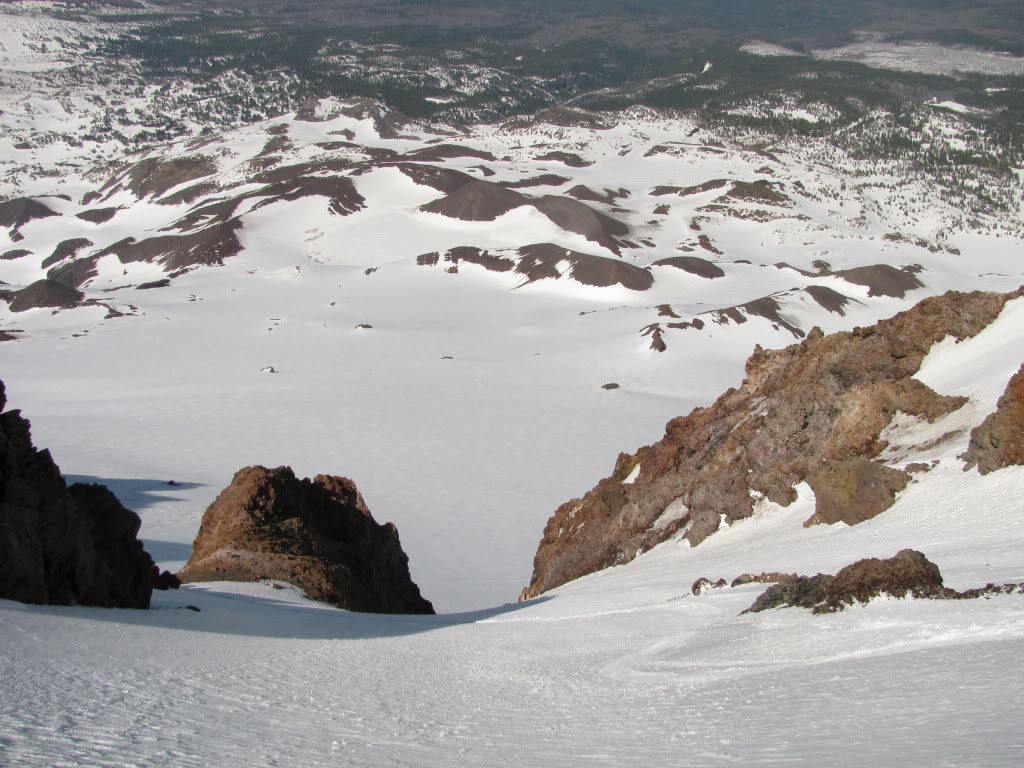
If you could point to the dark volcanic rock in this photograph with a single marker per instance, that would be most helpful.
(797, 592)
(155, 177)
(98, 215)
(568, 158)
(908, 573)
(205, 246)
(441, 152)
(826, 399)
(476, 200)
(544, 180)
(316, 534)
(75, 272)
(694, 265)
(60, 545)
(574, 216)
(66, 249)
(45, 293)
(21, 210)
(541, 261)
(999, 440)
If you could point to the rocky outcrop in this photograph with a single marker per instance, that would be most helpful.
(853, 490)
(811, 412)
(45, 293)
(999, 440)
(61, 545)
(315, 534)
(908, 573)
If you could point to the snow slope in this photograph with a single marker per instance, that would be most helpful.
(622, 666)
(473, 405)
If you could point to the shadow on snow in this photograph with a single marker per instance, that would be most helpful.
(230, 613)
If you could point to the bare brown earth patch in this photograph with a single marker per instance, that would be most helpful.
(826, 399)
(483, 258)
(66, 249)
(880, 279)
(697, 189)
(999, 440)
(74, 273)
(205, 246)
(705, 242)
(608, 196)
(98, 215)
(566, 158)
(542, 261)
(189, 194)
(574, 216)
(694, 265)
(476, 200)
(829, 299)
(544, 180)
(758, 191)
(441, 152)
(154, 177)
(539, 261)
(44, 293)
(21, 210)
(17, 253)
(316, 534)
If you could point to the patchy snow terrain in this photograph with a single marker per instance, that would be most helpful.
(438, 312)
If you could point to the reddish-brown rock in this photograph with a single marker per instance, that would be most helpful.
(60, 545)
(909, 573)
(999, 440)
(824, 400)
(853, 490)
(315, 534)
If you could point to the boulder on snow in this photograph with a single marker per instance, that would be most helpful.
(61, 545)
(315, 534)
(45, 293)
(908, 573)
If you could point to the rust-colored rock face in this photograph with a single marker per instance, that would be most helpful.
(854, 490)
(316, 534)
(999, 440)
(60, 545)
(909, 573)
(812, 411)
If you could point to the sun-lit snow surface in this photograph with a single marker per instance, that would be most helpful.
(473, 405)
(621, 667)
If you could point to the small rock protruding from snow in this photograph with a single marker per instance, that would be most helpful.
(268, 369)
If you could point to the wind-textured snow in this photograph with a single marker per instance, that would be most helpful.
(623, 666)
(467, 405)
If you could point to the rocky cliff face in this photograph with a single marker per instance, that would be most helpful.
(999, 440)
(316, 534)
(810, 412)
(61, 545)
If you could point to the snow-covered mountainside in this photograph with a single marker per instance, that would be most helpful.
(625, 665)
(446, 306)
(202, 268)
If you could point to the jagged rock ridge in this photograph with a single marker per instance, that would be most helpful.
(61, 545)
(315, 534)
(810, 412)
